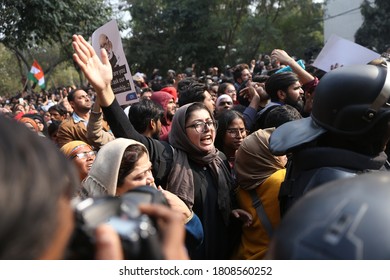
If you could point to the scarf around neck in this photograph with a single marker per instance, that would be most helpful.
(181, 178)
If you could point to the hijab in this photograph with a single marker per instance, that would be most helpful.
(181, 179)
(254, 161)
(103, 177)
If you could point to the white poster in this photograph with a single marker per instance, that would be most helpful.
(339, 52)
(122, 84)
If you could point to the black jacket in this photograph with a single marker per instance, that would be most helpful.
(311, 167)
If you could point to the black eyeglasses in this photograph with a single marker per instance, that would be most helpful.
(237, 131)
(200, 126)
(85, 155)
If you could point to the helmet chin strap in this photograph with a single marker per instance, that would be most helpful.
(383, 97)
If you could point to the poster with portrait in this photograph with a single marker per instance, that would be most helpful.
(109, 38)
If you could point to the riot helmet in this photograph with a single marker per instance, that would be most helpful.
(350, 100)
(343, 219)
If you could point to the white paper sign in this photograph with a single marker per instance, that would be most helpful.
(343, 52)
(122, 84)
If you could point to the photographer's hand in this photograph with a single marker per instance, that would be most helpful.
(108, 244)
(176, 203)
(170, 224)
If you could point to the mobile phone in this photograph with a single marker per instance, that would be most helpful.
(21, 101)
(243, 85)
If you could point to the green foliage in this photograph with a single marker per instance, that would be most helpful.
(32, 29)
(28, 23)
(178, 33)
(165, 34)
(300, 27)
(171, 34)
(9, 77)
(58, 71)
(374, 32)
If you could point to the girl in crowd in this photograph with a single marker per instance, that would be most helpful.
(259, 176)
(229, 89)
(30, 123)
(197, 172)
(122, 165)
(230, 134)
(37, 214)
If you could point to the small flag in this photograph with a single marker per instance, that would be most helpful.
(36, 74)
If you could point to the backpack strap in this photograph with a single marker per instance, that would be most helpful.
(285, 191)
(258, 205)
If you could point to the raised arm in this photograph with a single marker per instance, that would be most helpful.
(98, 73)
(303, 76)
(96, 136)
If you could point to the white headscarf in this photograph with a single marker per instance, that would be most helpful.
(103, 176)
(224, 97)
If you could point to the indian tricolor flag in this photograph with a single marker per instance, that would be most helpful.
(36, 74)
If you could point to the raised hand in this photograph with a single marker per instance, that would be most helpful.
(98, 73)
(281, 56)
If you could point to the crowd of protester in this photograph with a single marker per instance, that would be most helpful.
(231, 151)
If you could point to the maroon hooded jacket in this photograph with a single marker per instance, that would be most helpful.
(163, 98)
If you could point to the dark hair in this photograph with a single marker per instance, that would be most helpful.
(184, 83)
(141, 113)
(280, 115)
(279, 81)
(34, 176)
(260, 78)
(40, 118)
(224, 120)
(53, 127)
(59, 108)
(130, 157)
(238, 69)
(144, 90)
(222, 87)
(193, 92)
(197, 106)
(72, 93)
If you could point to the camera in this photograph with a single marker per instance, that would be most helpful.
(138, 232)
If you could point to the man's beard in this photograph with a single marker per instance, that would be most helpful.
(298, 104)
(84, 109)
(156, 135)
(169, 116)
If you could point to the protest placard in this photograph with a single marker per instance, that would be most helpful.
(342, 52)
(108, 37)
